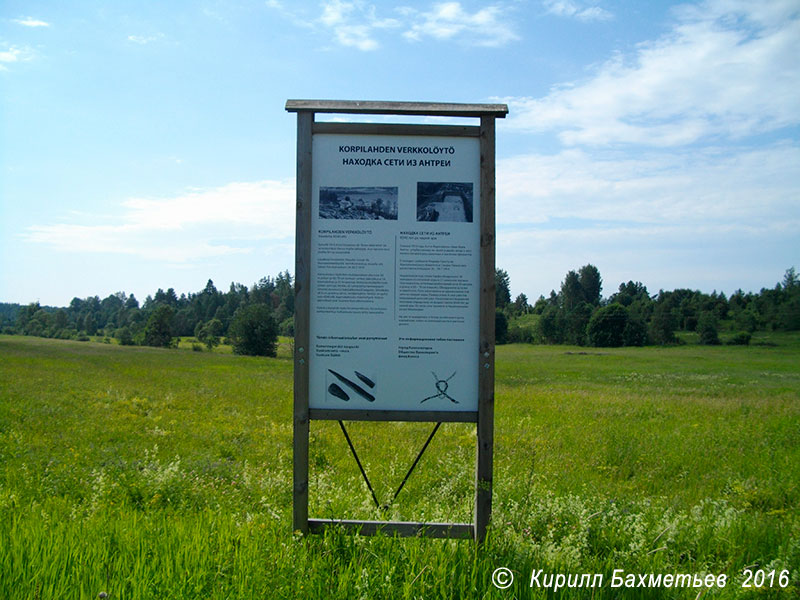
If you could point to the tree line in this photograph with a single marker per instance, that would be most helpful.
(578, 314)
(250, 319)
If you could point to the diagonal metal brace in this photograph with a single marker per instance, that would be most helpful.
(405, 479)
(360, 466)
(416, 460)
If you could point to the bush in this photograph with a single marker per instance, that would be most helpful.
(607, 326)
(124, 336)
(521, 334)
(576, 324)
(708, 329)
(254, 331)
(67, 334)
(551, 325)
(789, 315)
(287, 327)
(635, 333)
(662, 324)
(209, 333)
(34, 328)
(746, 320)
(197, 347)
(500, 327)
(740, 339)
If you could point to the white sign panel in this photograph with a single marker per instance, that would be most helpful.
(395, 257)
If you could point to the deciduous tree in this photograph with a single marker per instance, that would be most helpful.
(607, 326)
(254, 331)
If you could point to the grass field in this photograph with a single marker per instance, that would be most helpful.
(147, 473)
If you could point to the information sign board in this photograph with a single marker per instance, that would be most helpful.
(395, 257)
(394, 285)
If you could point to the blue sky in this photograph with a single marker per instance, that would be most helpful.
(145, 144)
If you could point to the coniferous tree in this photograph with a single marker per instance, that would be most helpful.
(591, 284)
(502, 289)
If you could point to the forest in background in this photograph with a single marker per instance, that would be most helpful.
(250, 319)
(578, 314)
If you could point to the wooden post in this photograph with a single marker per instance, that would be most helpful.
(483, 470)
(302, 304)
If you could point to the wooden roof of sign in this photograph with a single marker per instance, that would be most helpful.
(433, 109)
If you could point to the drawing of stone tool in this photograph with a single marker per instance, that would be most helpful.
(365, 379)
(353, 386)
(335, 390)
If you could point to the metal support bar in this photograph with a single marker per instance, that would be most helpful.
(405, 479)
(416, 460)
(399, 528)
(363, 472)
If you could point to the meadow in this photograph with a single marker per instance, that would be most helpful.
(148, 473)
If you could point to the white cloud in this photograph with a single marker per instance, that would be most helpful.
(144, 39)
(296, 15)
(663, 256)
(9, 56)
(755, 186)
(31, 22)
(14, 54)
(726, 69)
(356, 36)
(448, 20)
(633, 191)
(570, 9)
(336, 12)
(713, 218)
(354, 24)
(196, 225)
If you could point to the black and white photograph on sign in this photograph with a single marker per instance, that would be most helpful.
(444, 201)
(358, 203)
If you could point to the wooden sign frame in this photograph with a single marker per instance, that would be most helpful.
(484, 416)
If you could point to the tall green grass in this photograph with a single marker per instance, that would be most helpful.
(147, 473)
